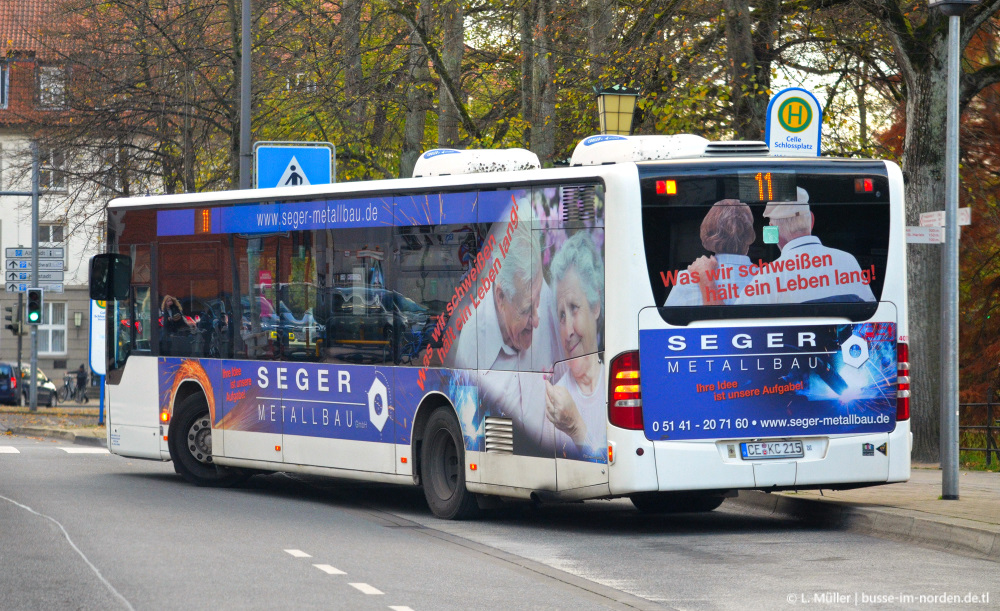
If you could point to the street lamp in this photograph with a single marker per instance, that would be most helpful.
(954, 9)
(616, 107)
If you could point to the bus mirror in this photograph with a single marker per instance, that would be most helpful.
(109, 276)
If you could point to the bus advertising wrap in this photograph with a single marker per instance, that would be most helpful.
(750, 382)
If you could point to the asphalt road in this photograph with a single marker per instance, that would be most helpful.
(94, 531)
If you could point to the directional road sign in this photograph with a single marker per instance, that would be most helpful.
(19, 276)
(22, 287)
(43, 253)
(936, 218)
(23, 265)
(298, 164)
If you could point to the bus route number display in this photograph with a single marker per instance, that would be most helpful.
(757, 186)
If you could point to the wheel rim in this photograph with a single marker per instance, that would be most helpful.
(445, 467)
(199, 440)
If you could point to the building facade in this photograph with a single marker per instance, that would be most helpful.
(34, 77)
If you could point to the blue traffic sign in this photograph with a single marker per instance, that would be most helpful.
(293, 166)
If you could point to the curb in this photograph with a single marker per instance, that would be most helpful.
(909, 527)
(70, 436)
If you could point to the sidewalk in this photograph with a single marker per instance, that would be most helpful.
(911, 511)
(74, 423)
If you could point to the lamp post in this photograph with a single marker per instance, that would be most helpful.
(954, 9)
(616, 108)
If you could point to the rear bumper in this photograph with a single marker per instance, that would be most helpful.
(828, 461)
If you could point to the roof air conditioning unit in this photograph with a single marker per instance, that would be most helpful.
(600, 150)
(445, 162)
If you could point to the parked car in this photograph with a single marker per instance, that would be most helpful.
(14, 391)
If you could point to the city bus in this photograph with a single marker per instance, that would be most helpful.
(667, 319)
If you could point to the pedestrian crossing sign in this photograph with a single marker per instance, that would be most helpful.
(293, 164)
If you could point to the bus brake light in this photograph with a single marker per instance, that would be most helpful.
(863, 185)
(902, 381)
(625, 400)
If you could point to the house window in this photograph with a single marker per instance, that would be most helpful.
(51, 233)
(4, 84)
(52, 331)
(51, 87)
(52, 170)
(111, 172)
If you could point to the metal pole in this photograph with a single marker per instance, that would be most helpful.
(34, 273)
(949, 279)
(245, 155)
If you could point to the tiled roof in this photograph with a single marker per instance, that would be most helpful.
(28, 26)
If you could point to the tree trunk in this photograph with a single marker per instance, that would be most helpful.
(543, 87)
(525, 21)
(923, 170)
(353, 72)
(599, 21)
(418, 98)
(750, 76)
(452, 49)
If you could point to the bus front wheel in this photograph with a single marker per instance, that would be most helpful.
(190, 442)
(675, 502)
(442, 468)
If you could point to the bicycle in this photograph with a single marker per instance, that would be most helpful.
(68, 387)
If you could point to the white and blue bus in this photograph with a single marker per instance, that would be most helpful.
(668, 319)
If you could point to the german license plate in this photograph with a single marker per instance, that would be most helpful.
(771, 449)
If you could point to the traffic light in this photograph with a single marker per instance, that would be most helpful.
(13, 321)
(34, 307)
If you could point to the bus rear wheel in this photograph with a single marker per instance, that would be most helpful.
(676, 502)
(442, 468)
(190, 443)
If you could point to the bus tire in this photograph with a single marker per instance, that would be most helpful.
(190, 443)
(675, 502)
(442, 468)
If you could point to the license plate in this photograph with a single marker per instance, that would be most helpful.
(771, 449)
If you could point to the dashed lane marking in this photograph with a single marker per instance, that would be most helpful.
(367, 589)
(298, 553)
(399, 608)
(9, 450)
(85, 450)
(329, 570)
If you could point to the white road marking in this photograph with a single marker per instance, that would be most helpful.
(110, 587)
(399, 608)
(9, 450)
(298, 553)
(367, 589)
(85, 450)
(329, 570)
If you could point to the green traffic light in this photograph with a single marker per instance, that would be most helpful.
(33, 316)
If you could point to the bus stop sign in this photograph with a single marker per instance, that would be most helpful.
(293, 164)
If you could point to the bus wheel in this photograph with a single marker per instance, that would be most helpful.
(442, 468)
(190, 442)
(675, 502)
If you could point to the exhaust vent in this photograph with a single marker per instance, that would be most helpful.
(499, 435)
(736, 147)
(577, 203)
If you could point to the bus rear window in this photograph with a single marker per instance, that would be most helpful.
(775, 240)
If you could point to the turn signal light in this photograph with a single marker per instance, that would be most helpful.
(625, 400)
(164, 416)
(666, 187)
(902, 381)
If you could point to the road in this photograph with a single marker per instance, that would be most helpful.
(86, 530)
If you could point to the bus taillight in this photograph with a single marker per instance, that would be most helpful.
(902, 382)
(625, 402)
